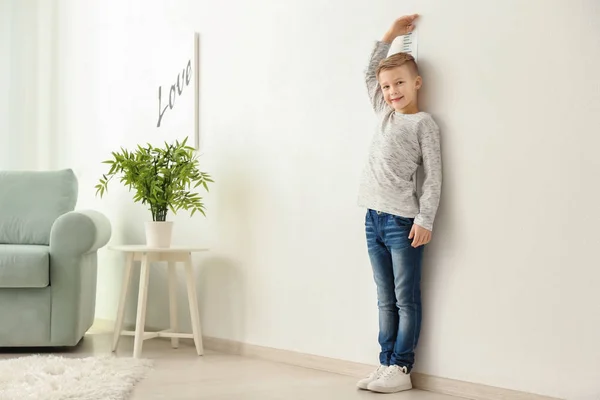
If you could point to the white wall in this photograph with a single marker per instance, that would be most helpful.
(27, 93)
(509, 281)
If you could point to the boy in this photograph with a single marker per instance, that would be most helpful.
(398, 224)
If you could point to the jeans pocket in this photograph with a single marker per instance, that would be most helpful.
(402, 222)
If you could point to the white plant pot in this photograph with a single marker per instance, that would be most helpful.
(159, 233)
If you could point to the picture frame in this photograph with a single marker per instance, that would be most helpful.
(178, 78)
(197, 90)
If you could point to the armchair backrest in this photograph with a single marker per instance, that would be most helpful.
(30, 202)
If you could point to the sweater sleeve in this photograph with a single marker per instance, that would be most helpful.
(429, 137)
(378, 53)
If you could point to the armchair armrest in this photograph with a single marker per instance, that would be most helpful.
(79, 232)
(74, 239)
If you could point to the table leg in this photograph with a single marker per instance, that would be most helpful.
(193, 300)
(122, 300)
(173, 302)
(141, 309)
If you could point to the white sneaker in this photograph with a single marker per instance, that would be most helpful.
(393, 379)
(364, 383)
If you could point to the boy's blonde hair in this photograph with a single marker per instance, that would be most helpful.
(398, 60)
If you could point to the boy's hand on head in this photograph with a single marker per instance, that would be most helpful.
(419, 235)
(401, 26)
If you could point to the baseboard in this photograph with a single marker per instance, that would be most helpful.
(451, 387)
(470, 390)
(287, 357)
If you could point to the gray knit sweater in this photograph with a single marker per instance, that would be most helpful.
(401, 143)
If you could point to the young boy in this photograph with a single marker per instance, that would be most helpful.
(398, 224)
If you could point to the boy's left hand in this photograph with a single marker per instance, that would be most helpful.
(420, 236)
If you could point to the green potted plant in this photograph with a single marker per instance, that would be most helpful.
(163, 179)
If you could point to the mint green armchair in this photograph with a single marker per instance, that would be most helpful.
(48, 259)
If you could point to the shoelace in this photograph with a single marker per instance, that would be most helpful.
(392, 370)
(379, 371)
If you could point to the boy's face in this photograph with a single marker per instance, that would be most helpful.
(400, 86)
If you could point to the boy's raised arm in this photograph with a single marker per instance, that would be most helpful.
(375, 94)
(401, 26)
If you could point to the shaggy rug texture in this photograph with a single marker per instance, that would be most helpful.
(52, 377)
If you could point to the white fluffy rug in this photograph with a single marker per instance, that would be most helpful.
(64, 378)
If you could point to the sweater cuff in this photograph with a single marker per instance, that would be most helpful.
(424, 222)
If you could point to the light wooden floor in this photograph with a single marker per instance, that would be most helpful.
(181, 374)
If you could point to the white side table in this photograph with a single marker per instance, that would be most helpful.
(146, 255)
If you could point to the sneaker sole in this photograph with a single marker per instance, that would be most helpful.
(390, 390)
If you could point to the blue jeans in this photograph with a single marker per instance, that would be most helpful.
(397, 273)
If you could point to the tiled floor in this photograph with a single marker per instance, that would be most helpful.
(181, 374)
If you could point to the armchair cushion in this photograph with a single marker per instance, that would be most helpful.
(31, 202)
(24, 266)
